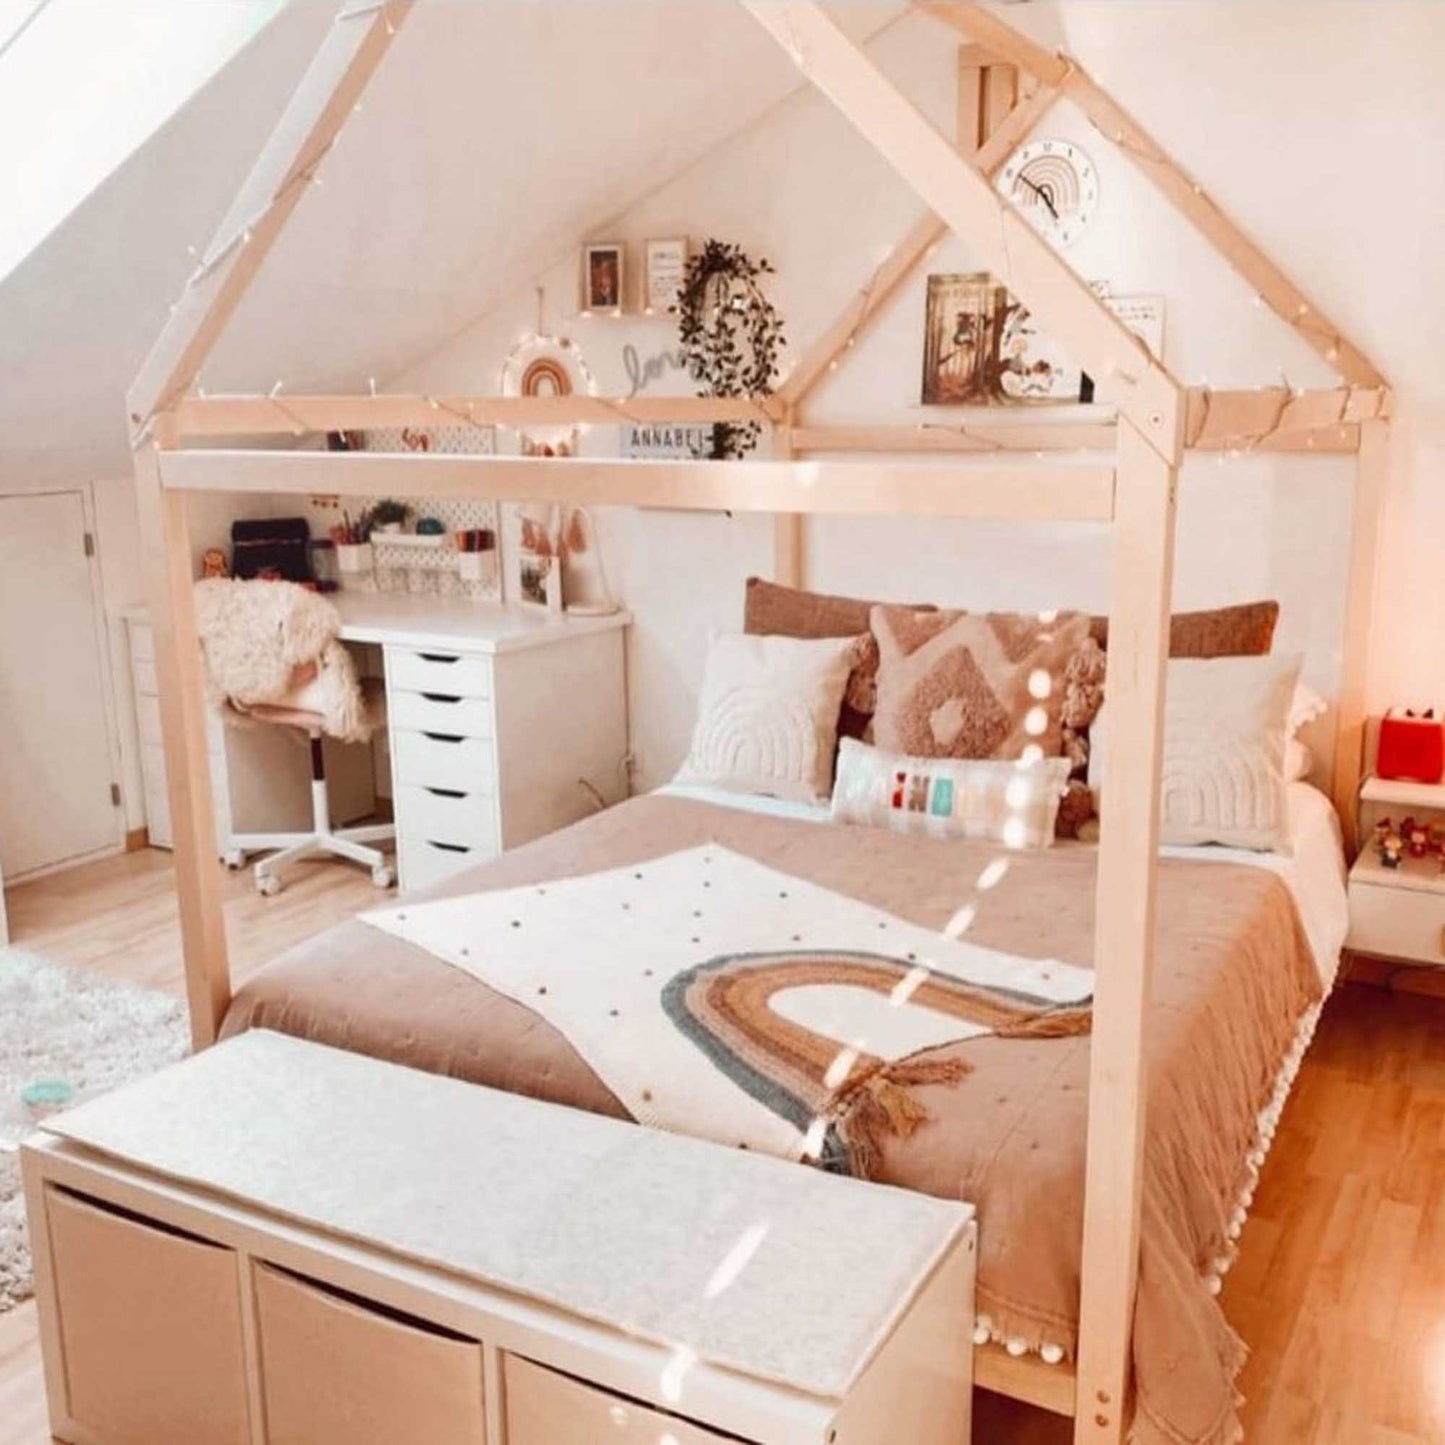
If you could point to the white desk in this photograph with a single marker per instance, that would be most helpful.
(444, 622)
(505, 723)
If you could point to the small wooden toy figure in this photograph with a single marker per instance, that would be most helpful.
(1416, 838)
(213, 563)
(1392, 850)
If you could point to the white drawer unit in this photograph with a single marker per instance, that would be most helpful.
(431, 712)
(443, 760)
(498, 740)
(448, 674)
(277, 1243)
(146, 691)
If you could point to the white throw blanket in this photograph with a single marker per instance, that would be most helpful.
(604, 958)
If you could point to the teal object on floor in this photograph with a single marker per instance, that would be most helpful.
(47, 1091)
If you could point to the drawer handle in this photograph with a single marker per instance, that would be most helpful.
(448, 847)
(142, 1221)
(445, 737)
(439, 697)
(437, 657)
(446, 792)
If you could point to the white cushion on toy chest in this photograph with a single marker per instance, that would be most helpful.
(607, 1220)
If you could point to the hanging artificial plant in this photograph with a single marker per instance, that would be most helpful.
(729, 335)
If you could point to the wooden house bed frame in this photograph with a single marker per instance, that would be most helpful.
(1007, 84)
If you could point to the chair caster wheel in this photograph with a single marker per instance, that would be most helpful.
(268, 886)
(382, 876)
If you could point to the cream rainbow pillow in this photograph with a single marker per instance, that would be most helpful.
(767, 720)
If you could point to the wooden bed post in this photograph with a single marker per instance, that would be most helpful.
(359, 40)
(1144, 514)
(1370, 486)
(789, 535)
(166, 542)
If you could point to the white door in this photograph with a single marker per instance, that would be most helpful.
(56, 758)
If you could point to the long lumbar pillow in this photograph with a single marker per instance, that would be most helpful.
(1014, 802)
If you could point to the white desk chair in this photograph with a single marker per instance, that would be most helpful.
(349, 843)
(273, 658)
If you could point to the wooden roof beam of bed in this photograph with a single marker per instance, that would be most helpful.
(1065, 491)
(329, 92)
(1274, 419)
(1187, 196)
(260, 415)
(1004, 241)
(1265, 419)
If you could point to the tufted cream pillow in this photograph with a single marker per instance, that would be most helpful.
(972, 685)
(1226, 722)
(767, 720)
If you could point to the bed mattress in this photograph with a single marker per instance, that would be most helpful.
(1246, 950)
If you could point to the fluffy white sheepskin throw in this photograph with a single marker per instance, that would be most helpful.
(262, 643)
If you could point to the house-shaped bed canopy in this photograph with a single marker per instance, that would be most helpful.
(1011, 468)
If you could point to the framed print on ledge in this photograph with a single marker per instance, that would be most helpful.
(664, 267)
(602, 277)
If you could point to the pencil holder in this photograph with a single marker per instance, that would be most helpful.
(353, 557)
(476, 566)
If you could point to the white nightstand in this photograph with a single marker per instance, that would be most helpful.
(1397, 913)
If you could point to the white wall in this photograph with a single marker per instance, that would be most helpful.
(802, 189)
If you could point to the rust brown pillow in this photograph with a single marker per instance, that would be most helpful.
(972, 684)
(1246, 630)
(770, 609)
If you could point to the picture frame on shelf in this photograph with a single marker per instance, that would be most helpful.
(664, 267)
(983, 347)
(539, 582)
(604, 274)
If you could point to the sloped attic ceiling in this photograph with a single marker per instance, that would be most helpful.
(527, 125)
(496, 132)
(78, 314)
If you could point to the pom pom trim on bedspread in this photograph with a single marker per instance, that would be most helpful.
(1267, 1126)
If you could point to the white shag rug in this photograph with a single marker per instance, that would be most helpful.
(65, 1036)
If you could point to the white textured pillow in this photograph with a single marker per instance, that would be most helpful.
(1225, 728)
(767, 720)
(1299, 761)
(1014, 803)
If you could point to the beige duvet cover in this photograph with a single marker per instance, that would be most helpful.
(1005, 1129)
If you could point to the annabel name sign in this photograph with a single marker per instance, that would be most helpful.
(666, 441)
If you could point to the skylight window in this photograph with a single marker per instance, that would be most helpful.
(85, 83)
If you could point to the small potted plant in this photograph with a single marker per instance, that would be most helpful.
(385, 516)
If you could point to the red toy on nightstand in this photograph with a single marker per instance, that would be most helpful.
(1411, 748)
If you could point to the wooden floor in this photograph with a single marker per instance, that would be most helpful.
(1340, 1285)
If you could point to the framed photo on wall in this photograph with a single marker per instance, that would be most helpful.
(664, 263)
(602, 276)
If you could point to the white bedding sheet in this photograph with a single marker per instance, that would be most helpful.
(1314, 869)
